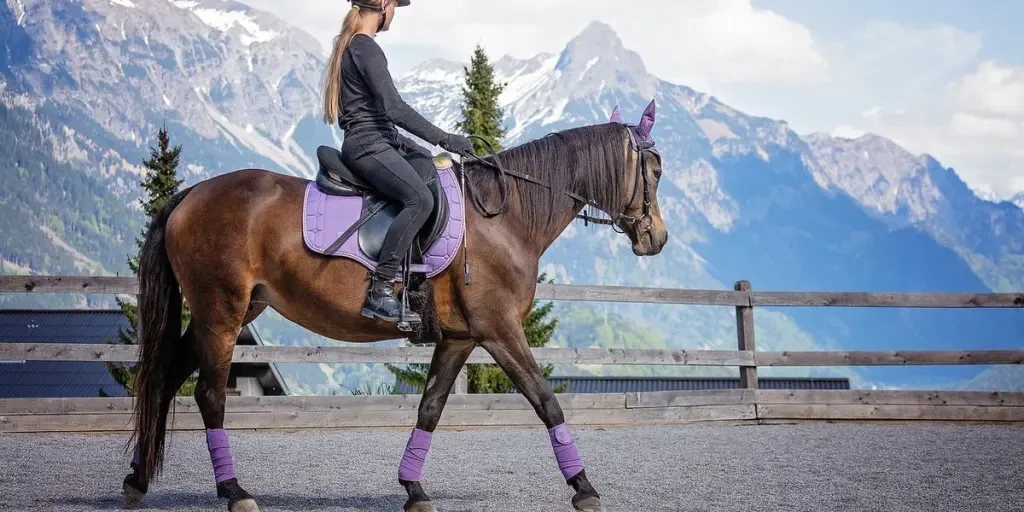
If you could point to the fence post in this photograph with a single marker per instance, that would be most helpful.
(745, 335)
(462, 383)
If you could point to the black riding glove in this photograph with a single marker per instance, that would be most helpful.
(456, 143)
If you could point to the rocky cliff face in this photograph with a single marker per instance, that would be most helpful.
(238, 81)
(917, 191)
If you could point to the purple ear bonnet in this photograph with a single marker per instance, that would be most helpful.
(643, 128)
(616, 115)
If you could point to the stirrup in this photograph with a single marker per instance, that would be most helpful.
(403, 323)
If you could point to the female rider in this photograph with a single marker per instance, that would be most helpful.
(361, 97)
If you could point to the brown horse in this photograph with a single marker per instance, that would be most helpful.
(232, 245)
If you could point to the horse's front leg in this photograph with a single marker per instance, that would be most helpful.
(506, 343)
(448, 359)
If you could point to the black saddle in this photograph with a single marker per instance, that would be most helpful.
(378, 213)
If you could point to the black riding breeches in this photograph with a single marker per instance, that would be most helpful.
(399, 173)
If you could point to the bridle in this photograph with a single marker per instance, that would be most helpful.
(642, 147)
(644, 223)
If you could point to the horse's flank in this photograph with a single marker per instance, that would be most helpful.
(242, 232)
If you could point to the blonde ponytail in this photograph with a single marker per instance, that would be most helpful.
(331, 86)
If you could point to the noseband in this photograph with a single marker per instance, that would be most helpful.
(640, 225)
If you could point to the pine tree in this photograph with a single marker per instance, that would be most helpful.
(160, 181)
(481, 113)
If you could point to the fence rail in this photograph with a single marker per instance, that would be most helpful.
(748, 297)
(744, 405)
(736, 406)
(411, 355)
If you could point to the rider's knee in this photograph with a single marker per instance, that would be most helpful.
(424, 200)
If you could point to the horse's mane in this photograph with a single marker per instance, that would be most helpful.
(588, 160)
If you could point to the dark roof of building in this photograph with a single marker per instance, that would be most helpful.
(62, 379)
(645, 384)
(642, 384)
(56, 379)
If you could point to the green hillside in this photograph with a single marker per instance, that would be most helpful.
(50, 204)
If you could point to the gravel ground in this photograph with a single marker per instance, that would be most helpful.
(814, 467)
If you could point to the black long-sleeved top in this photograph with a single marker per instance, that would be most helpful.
(369, 99)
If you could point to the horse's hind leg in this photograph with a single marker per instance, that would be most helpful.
(218, 318)
(135, 485)
(506, 343)
(448, 359)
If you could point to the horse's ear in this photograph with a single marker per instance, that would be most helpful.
(616, 115)
(646, 124)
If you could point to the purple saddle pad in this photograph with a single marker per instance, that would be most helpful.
(326, 217)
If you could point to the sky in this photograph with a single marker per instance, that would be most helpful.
(942, 77)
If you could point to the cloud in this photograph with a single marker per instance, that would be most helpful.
(887, 63)
(992, 90)
(970, 125)
(924, 87)
(927, 89)
(704, 43)
(927, 49)
(730, 42)
(975, 124)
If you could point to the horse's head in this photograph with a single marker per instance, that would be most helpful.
(641, 218)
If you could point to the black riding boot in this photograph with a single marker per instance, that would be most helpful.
(381, 303)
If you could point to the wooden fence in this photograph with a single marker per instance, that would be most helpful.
(744, 405)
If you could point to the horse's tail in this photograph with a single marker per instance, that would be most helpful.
(159, 330)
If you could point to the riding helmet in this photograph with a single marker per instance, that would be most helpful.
(363, 5)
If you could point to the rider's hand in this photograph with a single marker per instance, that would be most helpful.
(456, 143)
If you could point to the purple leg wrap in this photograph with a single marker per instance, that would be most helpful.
(416, 451)
(220, 454)
(566, 454)
(136, 459)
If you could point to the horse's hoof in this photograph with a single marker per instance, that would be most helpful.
(246, 505)
(421, 506)
(590, 504)
(132, 496)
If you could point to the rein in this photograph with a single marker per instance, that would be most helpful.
(640, 147)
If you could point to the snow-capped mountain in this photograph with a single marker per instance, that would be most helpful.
(85, 84)
(239, 81)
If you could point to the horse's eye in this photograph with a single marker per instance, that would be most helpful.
(656, 164)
